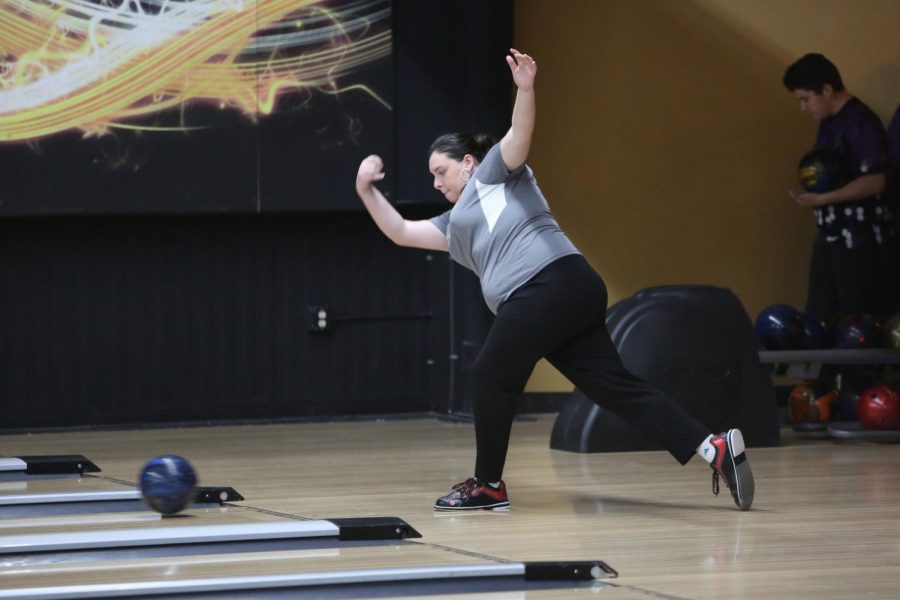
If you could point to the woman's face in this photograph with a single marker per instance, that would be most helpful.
(449, 176)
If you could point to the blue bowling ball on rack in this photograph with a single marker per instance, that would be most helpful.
(168, 483)
(778, 327)
(857, 331)
(814, 333)
(851, 388)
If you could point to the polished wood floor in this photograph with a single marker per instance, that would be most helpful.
(825, 522)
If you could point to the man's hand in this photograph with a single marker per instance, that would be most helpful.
(808, 199)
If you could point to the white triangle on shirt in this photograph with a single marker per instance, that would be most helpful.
(493, 201)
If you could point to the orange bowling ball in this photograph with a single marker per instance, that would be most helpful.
(805, 406)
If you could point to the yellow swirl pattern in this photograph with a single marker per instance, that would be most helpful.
(91, 66)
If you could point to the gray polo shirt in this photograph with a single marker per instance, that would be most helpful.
(501, 229)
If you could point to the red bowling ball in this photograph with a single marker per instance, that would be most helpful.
(879, 408)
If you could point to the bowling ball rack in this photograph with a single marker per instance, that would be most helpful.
(807, 364)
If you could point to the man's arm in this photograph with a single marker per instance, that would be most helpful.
(858, 189)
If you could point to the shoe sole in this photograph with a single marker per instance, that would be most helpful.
(500, 506)
(743, 485)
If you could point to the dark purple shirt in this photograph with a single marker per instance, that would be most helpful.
(892, 192)
(857, 134)
(893, 137)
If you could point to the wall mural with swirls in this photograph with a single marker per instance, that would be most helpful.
(181, 106)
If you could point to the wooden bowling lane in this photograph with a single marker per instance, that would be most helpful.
(223, 530)
(46, 495)
(401, 561)
(219, 515)
(227, 549)
(14, 526)
(222, 525)
(47, 466)
(75, 489)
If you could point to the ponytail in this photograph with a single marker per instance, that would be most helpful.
(457, 145)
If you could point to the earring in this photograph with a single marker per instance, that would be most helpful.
(464, 175)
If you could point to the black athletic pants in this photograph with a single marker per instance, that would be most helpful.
(560, 315)
(844, 281)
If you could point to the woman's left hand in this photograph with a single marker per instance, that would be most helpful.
(523, 69)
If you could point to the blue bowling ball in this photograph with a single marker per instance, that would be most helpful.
(167, 483)
(851, 388)
(778, 327)
(822, 170)
(814, 334)
(857, 331)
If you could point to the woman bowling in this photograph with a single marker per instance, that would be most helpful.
(548, 301)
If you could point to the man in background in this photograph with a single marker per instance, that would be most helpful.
(849, 267)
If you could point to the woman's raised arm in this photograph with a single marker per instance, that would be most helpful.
(516, 144)
(415, 234)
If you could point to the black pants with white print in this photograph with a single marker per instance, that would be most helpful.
(845, 281)
(560, 315)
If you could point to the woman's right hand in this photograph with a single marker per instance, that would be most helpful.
(370, 171)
